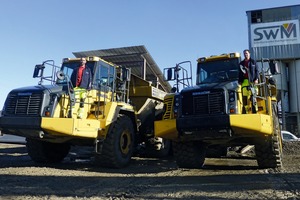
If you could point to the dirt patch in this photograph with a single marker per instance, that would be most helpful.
(146, 178)
(291, 148)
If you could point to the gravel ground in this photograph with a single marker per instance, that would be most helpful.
(147, 178)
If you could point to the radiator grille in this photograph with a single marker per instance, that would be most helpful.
(23, 105)
(212, 102)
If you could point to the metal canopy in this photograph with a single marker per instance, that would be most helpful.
(135, 57)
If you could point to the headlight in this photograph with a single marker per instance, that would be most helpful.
(176, 105)
(231, 96)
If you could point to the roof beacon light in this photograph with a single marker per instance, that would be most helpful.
(202, 59)
(65, 60)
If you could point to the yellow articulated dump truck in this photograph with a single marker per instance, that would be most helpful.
(116, 115)
(218, 113)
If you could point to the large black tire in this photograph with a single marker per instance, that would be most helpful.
(216, 151)
(118, 145)
(46, 152)
(157, 147)
(189, 154)
(158, 150)
(269, 153)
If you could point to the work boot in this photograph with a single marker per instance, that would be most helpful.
(80, 113)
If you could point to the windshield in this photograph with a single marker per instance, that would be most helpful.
(217, 71)
(68, 68)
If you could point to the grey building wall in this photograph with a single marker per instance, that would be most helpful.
(294, 77)
(274, 33)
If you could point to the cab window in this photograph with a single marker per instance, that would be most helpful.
(104, 77)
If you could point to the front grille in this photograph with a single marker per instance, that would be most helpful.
(202, 103)
(23, 105)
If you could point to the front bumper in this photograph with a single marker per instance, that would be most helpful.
(225, 126)
(49, 127)
(20, 122)
(199, 123)
(22, 126)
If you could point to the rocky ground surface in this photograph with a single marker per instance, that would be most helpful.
(147, 178)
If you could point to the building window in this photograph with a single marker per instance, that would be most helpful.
(256, 16)
(277, 14)
(271, 15)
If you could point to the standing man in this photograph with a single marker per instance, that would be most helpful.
(248, 76)
(81, 79)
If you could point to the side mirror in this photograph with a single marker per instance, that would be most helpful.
(169, 74)
(274, 67)
(38, 71)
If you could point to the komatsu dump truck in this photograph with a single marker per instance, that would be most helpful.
(212, 114)
(118, 113)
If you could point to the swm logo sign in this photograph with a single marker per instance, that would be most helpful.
(275, 33)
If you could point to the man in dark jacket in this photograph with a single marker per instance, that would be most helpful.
(248, 65)
(248, 76)
(81, 80)
(82, 76)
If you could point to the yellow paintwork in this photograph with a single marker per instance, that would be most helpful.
(166, 129)
(90, 126)
(169, 102)
(148, 91)
(251, 124)
(142, 88)
(219, 57)
(242, 124)
(100, 110)
(110, 111)
(71, 127)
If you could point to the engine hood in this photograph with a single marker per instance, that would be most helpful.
(38, 88)
(230, 85)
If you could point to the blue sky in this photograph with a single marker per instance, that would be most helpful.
(33, 31)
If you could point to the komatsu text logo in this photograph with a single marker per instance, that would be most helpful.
(277, 33)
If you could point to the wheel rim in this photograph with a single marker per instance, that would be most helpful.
(125, 142)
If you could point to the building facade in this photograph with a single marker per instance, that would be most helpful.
(274, 34)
